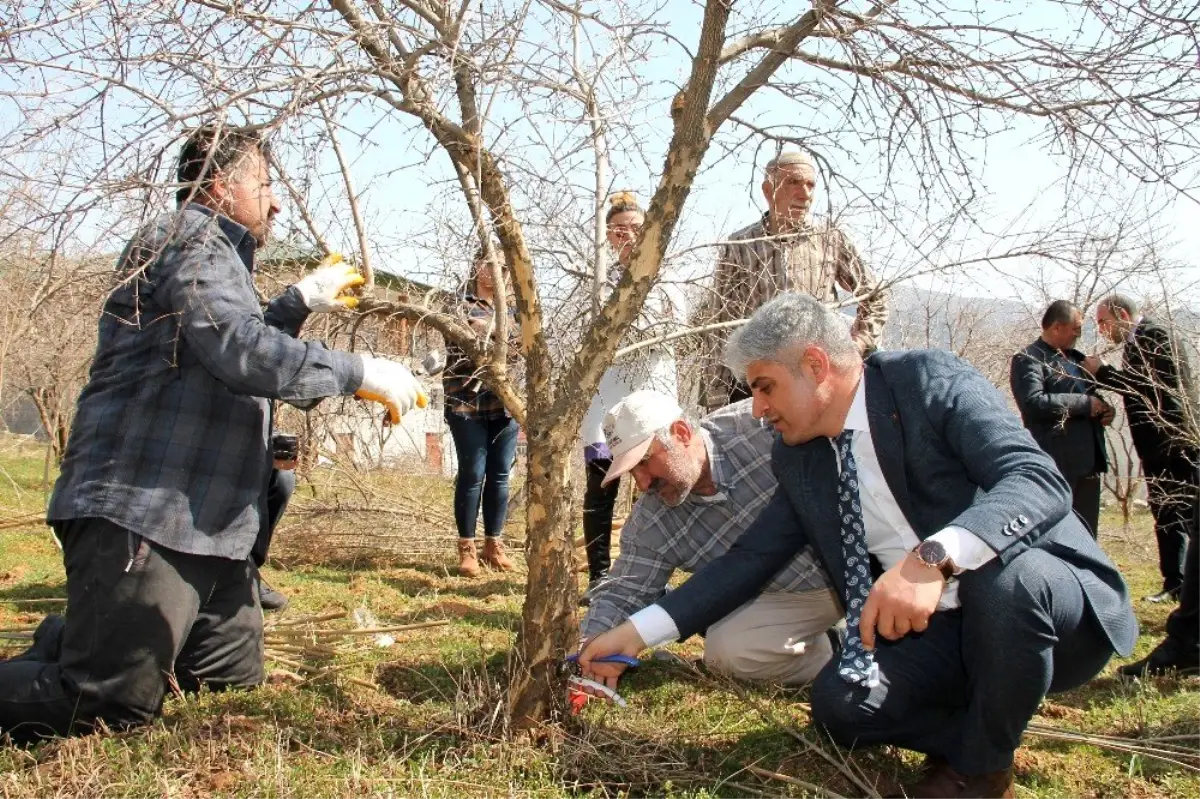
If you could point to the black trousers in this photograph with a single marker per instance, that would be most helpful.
(279, 494)
(1183, 624)
(139, 617)
(599, 503)
(1173, 492)
(1085, 500)
(967, 687)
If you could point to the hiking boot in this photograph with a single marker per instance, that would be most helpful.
(493, 555)
(468, 561)
(1169, 656)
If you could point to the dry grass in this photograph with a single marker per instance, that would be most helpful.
(422, 717)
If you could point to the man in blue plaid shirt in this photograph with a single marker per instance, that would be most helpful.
(163, 488)
(704, 484)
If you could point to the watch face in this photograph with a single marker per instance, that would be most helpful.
(931, 552)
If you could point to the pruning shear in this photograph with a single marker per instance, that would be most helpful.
(578, 687)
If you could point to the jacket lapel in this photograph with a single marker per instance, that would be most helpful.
(815, 477)
(888, 437)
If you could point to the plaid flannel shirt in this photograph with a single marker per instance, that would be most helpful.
(171, 432)
(466, 393)
(657, 539)
(756, 266)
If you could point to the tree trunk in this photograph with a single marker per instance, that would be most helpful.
(548, 629)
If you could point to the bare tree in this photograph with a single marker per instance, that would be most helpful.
(526, 108)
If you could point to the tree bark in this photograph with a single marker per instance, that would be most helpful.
(548, 632)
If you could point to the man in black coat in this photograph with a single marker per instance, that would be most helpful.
(1059, 406)
(1157, 381)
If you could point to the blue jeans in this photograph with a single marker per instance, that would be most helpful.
(486, 451)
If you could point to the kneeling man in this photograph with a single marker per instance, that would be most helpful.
(993, 592)
(703, 485)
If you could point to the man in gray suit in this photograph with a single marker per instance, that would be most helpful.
(971, 590)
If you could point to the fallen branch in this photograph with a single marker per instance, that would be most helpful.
(332, 633)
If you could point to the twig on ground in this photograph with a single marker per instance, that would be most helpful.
(1130, 745)
(808, 786)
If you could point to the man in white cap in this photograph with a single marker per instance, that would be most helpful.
(703, 484)
(784, 251)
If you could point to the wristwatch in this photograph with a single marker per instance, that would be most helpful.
(933, 555)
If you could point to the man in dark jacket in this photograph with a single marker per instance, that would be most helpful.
(1157, 381)
(1059, 406)
(992, 593)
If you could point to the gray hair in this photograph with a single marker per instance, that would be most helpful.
(785, 326)
(789, 158)
(1119, 301)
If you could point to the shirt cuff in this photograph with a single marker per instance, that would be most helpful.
(655, 626)
(964, 548)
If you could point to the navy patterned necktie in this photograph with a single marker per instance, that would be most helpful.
(856, 665)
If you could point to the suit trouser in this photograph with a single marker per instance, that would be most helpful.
(1184, 622)
(1085, 500)
(279, 494)
(967, 687)
(778, 637)
(138, 615)
(1172, 492)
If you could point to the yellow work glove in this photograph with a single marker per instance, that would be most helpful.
(392, 385)
(321, 287)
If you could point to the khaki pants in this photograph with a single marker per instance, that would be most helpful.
(779, 637)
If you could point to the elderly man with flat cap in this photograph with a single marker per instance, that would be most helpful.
(786, 250)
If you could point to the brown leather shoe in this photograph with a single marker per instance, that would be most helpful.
(493, 555)
(995, 785)
(939, 781)
(468, 561)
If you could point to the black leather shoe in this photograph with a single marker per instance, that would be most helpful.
(1166, 595)
(269, 598)
(1168, 656)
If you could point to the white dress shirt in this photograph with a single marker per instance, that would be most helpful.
(889, 535)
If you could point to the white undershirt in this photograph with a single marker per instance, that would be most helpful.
(889, 535)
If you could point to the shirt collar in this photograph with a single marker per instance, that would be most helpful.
(857, 418)
(717, 467)
(241, 238)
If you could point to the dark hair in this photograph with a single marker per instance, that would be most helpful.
(211, 150)
(1114, 301)
(621, 202)
(1059, 311)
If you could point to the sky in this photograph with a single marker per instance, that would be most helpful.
(411, 204)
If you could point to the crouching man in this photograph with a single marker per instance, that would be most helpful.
(993, 593)
(704, 484)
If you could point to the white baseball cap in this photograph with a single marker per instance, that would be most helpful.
(630, 426)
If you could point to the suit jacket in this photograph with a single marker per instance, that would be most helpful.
(1158, 385)
(952, 453)
(1056, 408)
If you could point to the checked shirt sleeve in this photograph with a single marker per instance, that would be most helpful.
(201, 280)
(637, 578)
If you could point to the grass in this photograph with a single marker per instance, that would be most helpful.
(432, 727)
